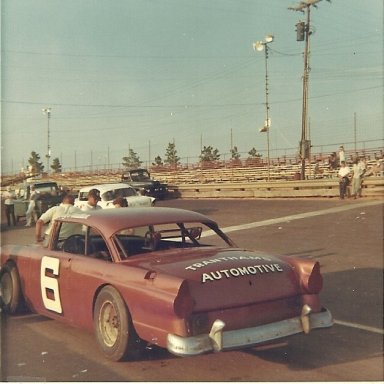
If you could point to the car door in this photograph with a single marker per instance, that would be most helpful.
(85, 268)
(53, 269)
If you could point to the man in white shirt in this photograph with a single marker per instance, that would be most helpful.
(343, 174)
(341, 154)
(9, 204)
(66, 208)
(93, 199)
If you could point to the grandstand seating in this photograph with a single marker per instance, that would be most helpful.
(280, 169)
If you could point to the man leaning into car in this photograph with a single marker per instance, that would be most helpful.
(93, 199)
(66, 208)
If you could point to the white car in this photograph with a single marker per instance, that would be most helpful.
(109, 192)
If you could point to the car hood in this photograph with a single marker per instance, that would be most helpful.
(230, 274)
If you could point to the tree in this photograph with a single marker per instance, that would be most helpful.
(235, 155)
(35, 165)
(254, 157)
(171, 157)
(253, 153)
(132, 160)
(158, 162)
(209, 154)
(56, 166)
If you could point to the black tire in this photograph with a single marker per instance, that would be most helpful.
(11, 296)
(114, 330)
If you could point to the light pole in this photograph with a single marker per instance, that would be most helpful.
(263, 46)
(47, 111)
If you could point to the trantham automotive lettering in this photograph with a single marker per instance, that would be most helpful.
(240, 271)
(204, 263)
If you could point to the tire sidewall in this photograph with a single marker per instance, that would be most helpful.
(119, 350)
(10, 282)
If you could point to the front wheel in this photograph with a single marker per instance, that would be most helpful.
(114, 330)
(11, 296)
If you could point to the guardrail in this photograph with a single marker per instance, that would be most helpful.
(372, 187)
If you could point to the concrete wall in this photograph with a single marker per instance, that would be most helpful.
(372, 187)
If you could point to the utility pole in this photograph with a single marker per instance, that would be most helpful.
(47, 111)
(303, 30)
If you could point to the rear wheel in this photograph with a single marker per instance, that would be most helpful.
(11, 296)
(114, 330)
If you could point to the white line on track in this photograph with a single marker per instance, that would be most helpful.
(299, 216)
(359, 326)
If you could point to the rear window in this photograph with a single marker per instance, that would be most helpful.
(162, 237)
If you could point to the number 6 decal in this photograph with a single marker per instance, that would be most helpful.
(49, 283)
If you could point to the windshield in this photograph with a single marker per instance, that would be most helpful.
(139, 240)
(140, 176)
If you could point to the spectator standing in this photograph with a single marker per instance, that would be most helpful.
(343, 174)
(341, 154)
(93, 199)
(31, 210)
(66, 208)
(363, 170)
(357, 173)
(9, 204)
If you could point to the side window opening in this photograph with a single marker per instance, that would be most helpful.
(98, 245)
(84, 241)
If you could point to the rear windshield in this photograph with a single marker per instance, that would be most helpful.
(162, 237)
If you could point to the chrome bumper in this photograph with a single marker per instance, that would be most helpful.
(219, 340)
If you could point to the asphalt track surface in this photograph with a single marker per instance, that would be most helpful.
(345, 236)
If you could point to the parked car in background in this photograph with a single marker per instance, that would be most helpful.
(161, 276)
(48, 194)
(140, 179)
(109, 192)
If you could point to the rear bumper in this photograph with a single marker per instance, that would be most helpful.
(219, 339)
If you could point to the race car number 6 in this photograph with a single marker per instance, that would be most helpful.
(49, 284)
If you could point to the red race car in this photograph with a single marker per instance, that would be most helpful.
(161, 276)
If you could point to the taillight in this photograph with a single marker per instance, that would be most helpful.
(312, 281)
(183, 304)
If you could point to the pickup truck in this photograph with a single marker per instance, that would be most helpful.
(48, 195)
(140, 179)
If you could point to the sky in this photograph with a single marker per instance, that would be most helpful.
(140, 74)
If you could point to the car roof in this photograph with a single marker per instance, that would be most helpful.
(109, 221)
(105, 187)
